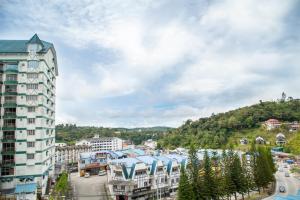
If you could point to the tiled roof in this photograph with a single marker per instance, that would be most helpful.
(20, 46)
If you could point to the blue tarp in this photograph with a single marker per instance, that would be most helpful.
(26, 188)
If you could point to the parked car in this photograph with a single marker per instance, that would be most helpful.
(280, 169)
(102, 173)
(287, 174)
(281, 189)
(285, 166)
(86, 175)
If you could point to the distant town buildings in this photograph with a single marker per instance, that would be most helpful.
(69, 154)
(61, 144)
(272, 124)
(150, 143)
(280, 139)
(102, 143)
(243, 141)
(92, 162)
(260, 140)
(28, 70)
(145, 177)
(83, 142)
(294, 126)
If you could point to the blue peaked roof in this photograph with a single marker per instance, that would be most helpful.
(20, 46)
(26, 188)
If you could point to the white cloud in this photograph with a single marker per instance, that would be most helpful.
(223, 50)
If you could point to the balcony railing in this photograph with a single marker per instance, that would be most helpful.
(8, 162)
(8, 150)
(8, 115)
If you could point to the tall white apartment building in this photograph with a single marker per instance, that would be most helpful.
(28, 70)
(106, 143)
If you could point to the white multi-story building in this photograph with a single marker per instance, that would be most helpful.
(145, 177)
(28, 70)
(106, 143)
(69, 154)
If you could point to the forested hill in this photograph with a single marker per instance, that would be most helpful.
(214, 131)
(69, 133)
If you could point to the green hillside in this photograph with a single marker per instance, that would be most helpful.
(220, 130)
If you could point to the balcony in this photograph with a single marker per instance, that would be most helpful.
(8, 162)
(11, 89)
(9, 126)
(8, 150)
(10, 104)
(10, 115)
(11, 68)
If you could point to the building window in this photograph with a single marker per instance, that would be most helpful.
(30, 156)
(32, 86)
(30, 132)
(30, 144)
(31, 120)
(32, 75)
(31, 109)
(5, 171)
(33, 64)
(11, 77)
(31, 98)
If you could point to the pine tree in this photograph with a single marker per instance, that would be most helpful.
(237, 175)
(247, 171)
(209, 184)
(185, 190)
(229, 186)
(194, 167)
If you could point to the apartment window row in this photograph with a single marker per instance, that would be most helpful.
(11, 77)
(33, 86)
(32, 98)
(32, 76)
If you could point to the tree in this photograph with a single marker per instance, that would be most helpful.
(237, 176)
(194, 167)
(209, 182)
(185, 190)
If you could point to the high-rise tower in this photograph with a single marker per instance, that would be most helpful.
(28, 70)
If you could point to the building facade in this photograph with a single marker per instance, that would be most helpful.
(145, 177)
(69, 154)
(106, 143)
(28, 70)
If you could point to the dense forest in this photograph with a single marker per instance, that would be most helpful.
(70, 133)
(214, 131)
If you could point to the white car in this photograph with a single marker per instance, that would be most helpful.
(287, 174)
(86, 175)
(102, 173)
(280, 169)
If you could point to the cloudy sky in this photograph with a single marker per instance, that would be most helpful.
(147, 63)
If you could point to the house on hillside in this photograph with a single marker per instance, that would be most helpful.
(280, 139)
(243, 141)
(260, 140)
(272, 124)
(294, 126)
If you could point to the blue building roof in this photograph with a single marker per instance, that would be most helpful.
(26, 188)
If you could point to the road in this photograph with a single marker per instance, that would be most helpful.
(91, 188)
(291, 184)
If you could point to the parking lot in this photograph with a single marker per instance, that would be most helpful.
(90, 188)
